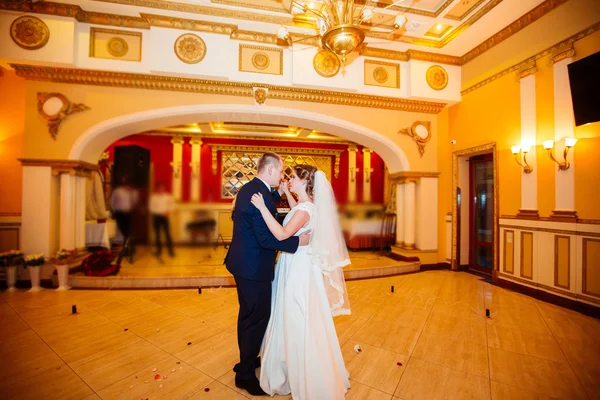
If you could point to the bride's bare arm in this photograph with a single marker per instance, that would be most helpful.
(280, 232)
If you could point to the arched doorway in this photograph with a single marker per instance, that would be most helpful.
(93, 141)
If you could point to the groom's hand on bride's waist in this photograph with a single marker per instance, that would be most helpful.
(305, 238)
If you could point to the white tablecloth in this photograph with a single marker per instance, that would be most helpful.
(362, 226)
(99, 234)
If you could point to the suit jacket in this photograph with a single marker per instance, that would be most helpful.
(254, 248)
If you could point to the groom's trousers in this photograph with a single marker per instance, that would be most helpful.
(255, 309)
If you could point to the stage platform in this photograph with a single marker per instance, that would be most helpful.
(195, 267)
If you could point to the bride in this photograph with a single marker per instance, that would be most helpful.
(300, 351)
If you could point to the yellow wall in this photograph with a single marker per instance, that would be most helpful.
(12, 125)
(492, 114)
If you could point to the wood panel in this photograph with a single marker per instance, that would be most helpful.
(562, 261)
(9, 237)
(527, 255)
(509, 251)
(591, 267)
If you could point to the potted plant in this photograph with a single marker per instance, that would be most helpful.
(10, 261)
(61, 261)
(34, 262)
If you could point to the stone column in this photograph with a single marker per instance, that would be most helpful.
(400, 220)
(67, 211)
(195, 165)
(367, 175)
(409, 214)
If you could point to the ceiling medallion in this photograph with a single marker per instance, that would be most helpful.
(55, 107)
(326, 63)
(437, 77)
(380, 75)
(340, 24)
(117, 47)
(190, 48)
(30, 33)
(260, 60)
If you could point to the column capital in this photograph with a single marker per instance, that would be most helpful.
(352, 148)
(566, 50)
(177, 140)
(196, 141)
(365, 150)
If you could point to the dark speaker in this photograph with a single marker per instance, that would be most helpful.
(133, 163)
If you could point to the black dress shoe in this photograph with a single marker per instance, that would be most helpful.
(251, 386)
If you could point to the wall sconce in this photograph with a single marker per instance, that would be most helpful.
(549, 145)
(517, 150)
(368, 172)
(195, 169)
(176, 168)
(353, 171)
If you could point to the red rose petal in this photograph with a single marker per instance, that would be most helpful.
(399, 363)
(156, 377)
(207, 389)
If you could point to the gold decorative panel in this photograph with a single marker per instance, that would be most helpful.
(225, 224)
(562, 261)
(383, 74)
(262, 60)
(29, 33)
(591, 267)
(115, 45)
(527, 255)
(509, 251)
(239, 167)
(9, 236)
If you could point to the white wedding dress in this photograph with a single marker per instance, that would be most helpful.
(300, 352)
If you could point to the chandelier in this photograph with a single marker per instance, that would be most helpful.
(339, 23)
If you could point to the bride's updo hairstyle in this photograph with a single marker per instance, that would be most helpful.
(307, 172)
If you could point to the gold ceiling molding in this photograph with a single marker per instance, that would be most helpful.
(469, 11)
(212, 11)
(402, 176)
(559, 46)
(158, 82)
(215, 148)
(249, 5)
(164, 21)
(410, 10)
(409, 55)
(522, 22)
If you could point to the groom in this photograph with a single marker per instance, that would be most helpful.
(251, 260)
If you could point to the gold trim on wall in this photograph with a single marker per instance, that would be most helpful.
(159, 82)
(412, 133)
(558, 231)
(522, 273)
(584, 288)
(470, 152)
(557, 266)
(578, 36)
(512, 252)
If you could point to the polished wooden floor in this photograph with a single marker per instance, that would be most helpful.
(427, 340)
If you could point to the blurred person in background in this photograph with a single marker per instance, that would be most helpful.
(161, 204)
(122, 202)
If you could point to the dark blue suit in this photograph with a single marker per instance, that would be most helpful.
(251, 260)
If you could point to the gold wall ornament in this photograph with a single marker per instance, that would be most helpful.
(117, 47)
(260, 95)
(437, 77)
(420, 132)
(29, 33)
(260, 60)
(191, 85)
(55, 107)
(380, 75)
(326, 63)
(528, 68)
(190, 48)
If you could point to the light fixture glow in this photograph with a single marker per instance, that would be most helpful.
(515, 149)
(548, 144)
(570, 142)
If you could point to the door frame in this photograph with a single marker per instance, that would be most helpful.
(467, 153)
(472, 263)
